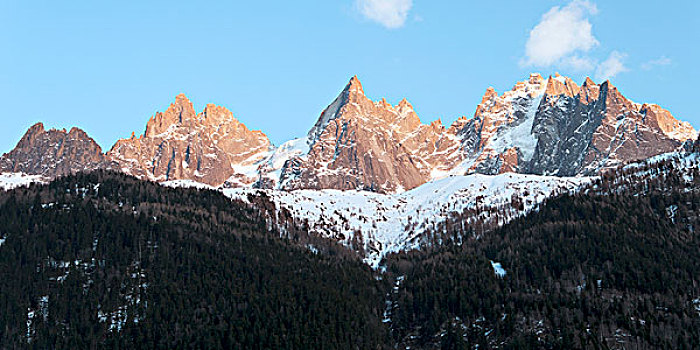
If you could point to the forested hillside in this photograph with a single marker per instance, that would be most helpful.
(616, 266)
(103, 260)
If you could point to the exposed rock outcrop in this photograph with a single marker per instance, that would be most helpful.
(53, 153)
(541, 126)
(211, 147)
(360, 144)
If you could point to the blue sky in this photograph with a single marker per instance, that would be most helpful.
(107, 66)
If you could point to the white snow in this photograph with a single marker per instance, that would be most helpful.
(9, 181)
(498, 269)
(186, 184)
(520, 135)
(395, 222)
(288, 150)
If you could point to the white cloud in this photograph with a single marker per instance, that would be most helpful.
(564, 38)
(661, 61)
(611, 66)
(561, 33)
(389, 13)
(578, 63)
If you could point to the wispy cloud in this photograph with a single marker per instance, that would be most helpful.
(391, 14)
(564, 38)
(661, 61)
(611, 66)
(578, 63)
(561, 33)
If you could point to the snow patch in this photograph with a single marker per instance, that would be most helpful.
(498, 269)
(10, 181)
(395, 222)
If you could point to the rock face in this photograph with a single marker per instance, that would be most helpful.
(555, 127)
(211, 147)
(542, 126)
(360, 144)
(499, 137)
(599, 128)
(53, 153)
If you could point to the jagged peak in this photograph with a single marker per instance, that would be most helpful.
(384, 103)
(535, 78)
(404, 104)
(182, 98)
(589, 92)
(37, 127)
(531, 87)
(76, 130)
(588, 82)
(489, 94)
(608, 86)
(354, 85)
(437, 124)
(559, 85)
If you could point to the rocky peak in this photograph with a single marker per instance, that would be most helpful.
(212, 147)
(599, 128)
(354, 86)
(351, 93)
(671, 127)
(179, 112)
(489, 95)
(53, 153)
(360, 144)
(559, 85)
(544, 126)
(535, 78)
(589, 91)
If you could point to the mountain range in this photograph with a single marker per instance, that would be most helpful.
(559, 216)
(542, 126)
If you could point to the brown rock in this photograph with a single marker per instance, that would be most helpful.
(360, 144)
(53, 153)
(212, 147)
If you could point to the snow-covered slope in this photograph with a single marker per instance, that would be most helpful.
(385, 223)
(9, 181)
(671, 171)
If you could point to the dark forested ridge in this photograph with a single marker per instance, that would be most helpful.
(104, 260)
(616, 266)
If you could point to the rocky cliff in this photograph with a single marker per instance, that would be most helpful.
(361, 144)
(53, 153)
(541, 126)
(211, 147)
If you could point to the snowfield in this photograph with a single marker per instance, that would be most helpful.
(378, 224)
(390, 223)
(9, 181)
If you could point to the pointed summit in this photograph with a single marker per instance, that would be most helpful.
(560, 85)
(489, 94)
(589, 91)
(53, 152)
(178, 112)
(354, 86)
(210, 147)
(405, 104)
(535, 78)
(181, 99)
